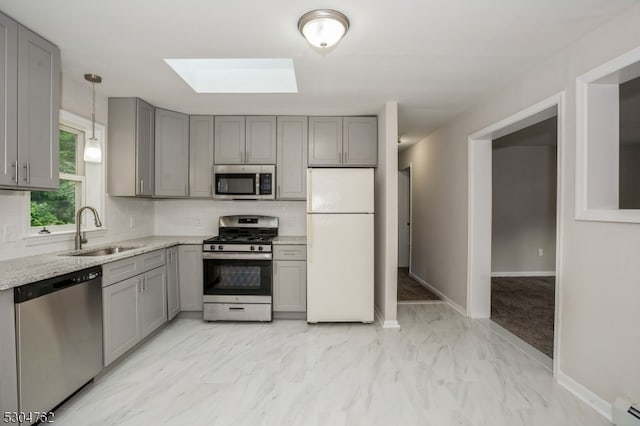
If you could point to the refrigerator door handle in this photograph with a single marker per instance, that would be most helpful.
(309, 240)
(309, 189)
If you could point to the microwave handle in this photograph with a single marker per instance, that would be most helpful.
(257, 184)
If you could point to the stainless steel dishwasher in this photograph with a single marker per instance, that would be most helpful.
(59, 337)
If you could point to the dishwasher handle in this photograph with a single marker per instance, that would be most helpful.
(51, 285)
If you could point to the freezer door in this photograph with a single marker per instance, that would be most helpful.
(340, 268)
(340, 190)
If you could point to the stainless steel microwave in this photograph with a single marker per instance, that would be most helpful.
(244, 182)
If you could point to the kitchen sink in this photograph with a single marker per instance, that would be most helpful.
(104, 251)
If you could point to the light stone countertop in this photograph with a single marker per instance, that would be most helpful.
(25, 270)
(290, 239)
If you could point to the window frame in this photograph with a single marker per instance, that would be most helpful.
(95, 184)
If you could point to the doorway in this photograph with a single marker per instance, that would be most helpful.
(479, 269)
(409, 290)
(523, 235)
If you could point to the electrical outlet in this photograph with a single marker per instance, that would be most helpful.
(540, 252)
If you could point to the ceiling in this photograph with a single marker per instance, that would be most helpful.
(437, 58)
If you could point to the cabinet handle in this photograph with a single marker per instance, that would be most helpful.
(27, 168)
(144, 284)
(186, 189)
(15, 166)
(247, 154)
(141, 186)
(346, 157)
(236, 309)
(211, 190)
(140, 285)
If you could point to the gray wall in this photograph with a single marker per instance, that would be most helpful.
(599, 334)
(629, 175)
(524, 200)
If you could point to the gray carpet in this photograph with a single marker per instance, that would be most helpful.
(525, 307)
(409, 290)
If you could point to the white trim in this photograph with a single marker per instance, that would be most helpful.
(581, 392)
(478, 266)
(519, 344)
(524, 274)
(384, 323)
(440, 294)
(608, 73)
(420, 302)
(62, 236)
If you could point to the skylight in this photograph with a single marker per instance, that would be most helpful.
(237, 75)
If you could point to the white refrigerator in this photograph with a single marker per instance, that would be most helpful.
(340, 207)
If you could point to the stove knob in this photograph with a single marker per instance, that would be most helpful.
(220, 247)
(252, 248)
(260, 248)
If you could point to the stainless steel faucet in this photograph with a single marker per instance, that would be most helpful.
(81, 239)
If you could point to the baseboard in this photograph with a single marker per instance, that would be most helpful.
(591, 399)
(519, 344)
(447, 299)
(524, 274)
(385, 323)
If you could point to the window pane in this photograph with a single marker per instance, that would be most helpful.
(55, 208)
(68, 152)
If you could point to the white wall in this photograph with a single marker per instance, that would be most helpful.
(200, 217)
(119, 213)
(599, 333)
(386, 215)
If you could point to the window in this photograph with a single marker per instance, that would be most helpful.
(49, 209)
(80, 183)
(608, 141)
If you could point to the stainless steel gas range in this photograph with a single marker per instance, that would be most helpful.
(238, 269)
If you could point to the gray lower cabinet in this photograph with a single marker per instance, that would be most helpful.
(201, 136)
(191, 278)
(291, 170)
(289, 278)
(171, 154)
(131, 155)
(29, 108)
(173, 288)
(343, 141)
(134, 301)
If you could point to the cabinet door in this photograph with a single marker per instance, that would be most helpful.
(200, 156)
(360, 141)
(325, 141)
(38, 111)
(173, 290)
(120, 318)
(291, 179)
(8, 101)
(229, 140)
(171, 154)
(289, 286)
(260, 143)
(145, 159)
(153, 300)
(190, 273)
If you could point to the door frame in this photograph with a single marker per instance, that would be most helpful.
(480, 199)
(409, 169)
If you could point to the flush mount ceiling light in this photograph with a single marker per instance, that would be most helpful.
(92, 150)
(323, 27)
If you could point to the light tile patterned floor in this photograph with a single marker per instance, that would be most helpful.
(438, 369)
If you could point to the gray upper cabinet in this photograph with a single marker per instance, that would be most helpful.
(200, 155)
(325, 141)
(171, 154)
(291, 170)
(260, 144)
(29, 115)
(131, 158)
(343, 141)
(360, 141)
(245, 140)
(229, 139)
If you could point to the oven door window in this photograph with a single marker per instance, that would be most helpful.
(237, 277)
(235, 184)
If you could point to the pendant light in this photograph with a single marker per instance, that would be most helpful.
(92, 149)
(323, 27)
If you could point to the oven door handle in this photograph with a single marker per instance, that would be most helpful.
(238, 256)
